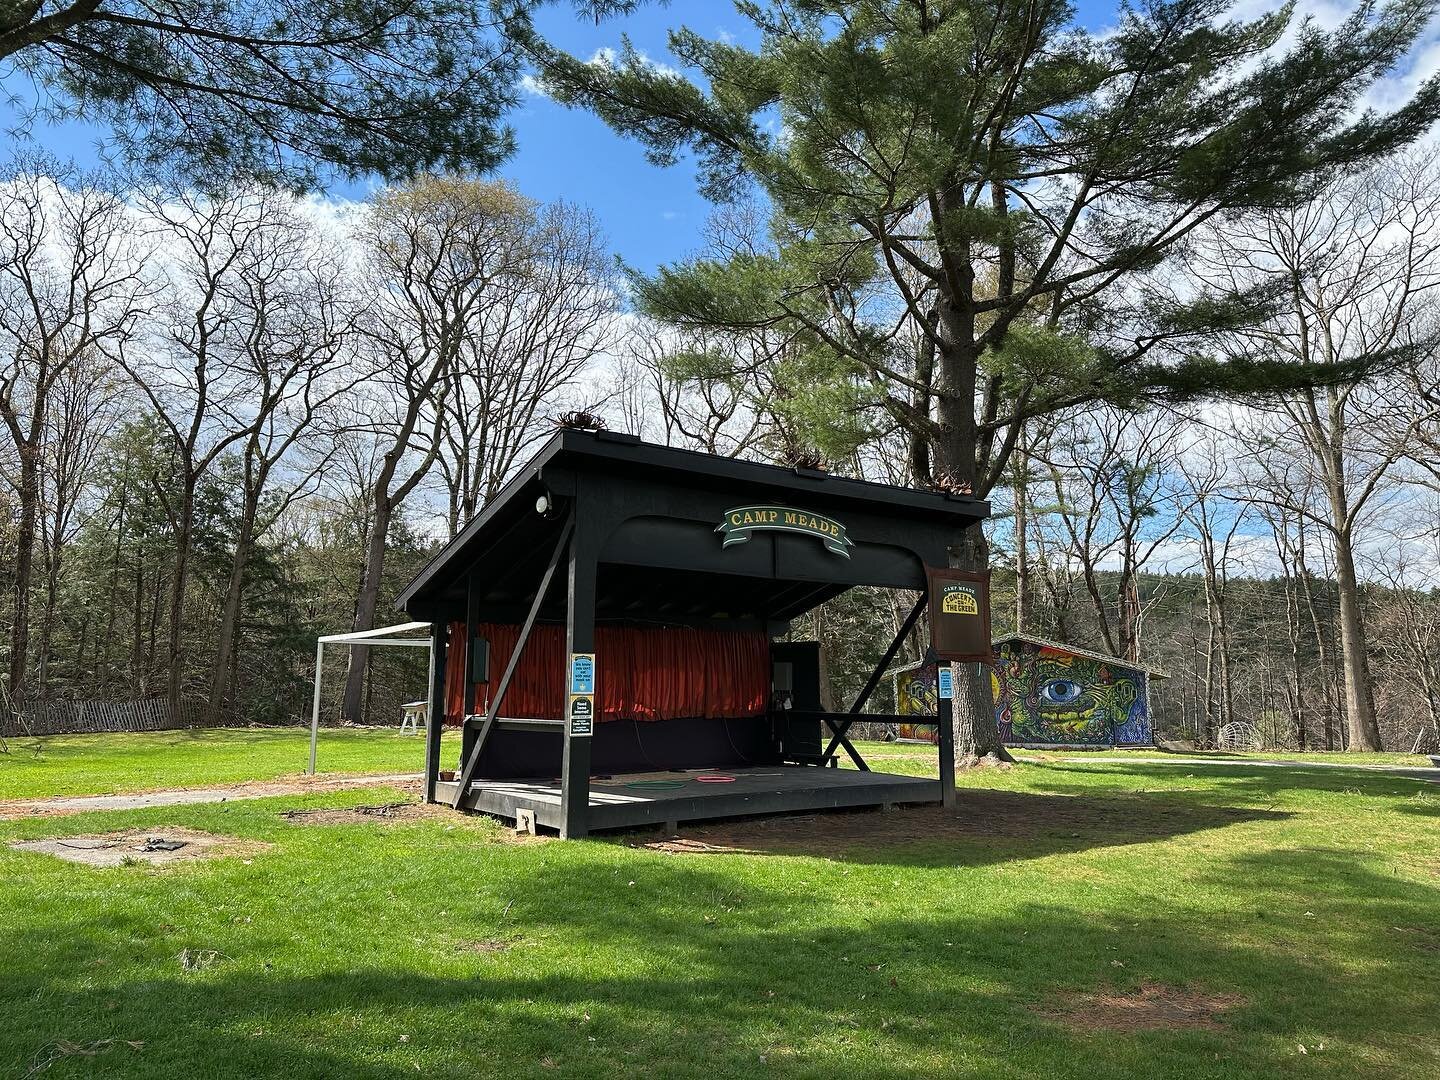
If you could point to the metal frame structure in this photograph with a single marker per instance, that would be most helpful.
(381, 635)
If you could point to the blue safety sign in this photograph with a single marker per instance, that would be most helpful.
(582, 673)
(946, 682)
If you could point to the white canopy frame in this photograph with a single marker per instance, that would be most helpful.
(381, 635)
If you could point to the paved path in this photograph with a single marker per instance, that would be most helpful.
(1419, 772)
(258, 789)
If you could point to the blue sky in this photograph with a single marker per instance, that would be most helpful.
(650, 215)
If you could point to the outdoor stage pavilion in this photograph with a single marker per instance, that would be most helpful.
(606, 632)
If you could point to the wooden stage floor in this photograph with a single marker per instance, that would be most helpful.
(627, 800)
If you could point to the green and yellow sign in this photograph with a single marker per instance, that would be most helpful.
(740, 522)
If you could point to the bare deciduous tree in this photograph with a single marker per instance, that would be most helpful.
(435, 250)
(1359, 265)
(69, 286)
(548, 315)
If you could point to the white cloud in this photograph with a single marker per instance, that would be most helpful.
(530, 86)
(607, 56)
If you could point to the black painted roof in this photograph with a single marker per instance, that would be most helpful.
(617, 455)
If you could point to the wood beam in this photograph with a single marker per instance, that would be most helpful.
(580, 638)
(435, 722)
(840, 729)
(473, 758)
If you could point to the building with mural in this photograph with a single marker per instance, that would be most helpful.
(1048, 694)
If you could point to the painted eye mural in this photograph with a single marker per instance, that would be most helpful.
(1061, 692)
(1049, 697)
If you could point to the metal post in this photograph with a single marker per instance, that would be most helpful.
(315, 709)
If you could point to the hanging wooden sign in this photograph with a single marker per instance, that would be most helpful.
(959, 614)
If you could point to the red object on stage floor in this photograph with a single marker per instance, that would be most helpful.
(642, 673)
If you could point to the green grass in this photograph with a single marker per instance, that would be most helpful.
(1332, 756)
(1309, 894)
(925, 752)
(145, 761)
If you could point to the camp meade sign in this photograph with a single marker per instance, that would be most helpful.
(959, 614)
(740, 522)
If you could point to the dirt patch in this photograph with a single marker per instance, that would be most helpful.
(159, 845)
(359, 815)
(252, 789)
(485, 946)
(400, 812)
(1154, 1006)
(1059, 821)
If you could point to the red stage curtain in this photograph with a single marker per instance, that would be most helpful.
(642, 674)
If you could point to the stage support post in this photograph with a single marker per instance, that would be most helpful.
(435, 715)
(945, 726)
(470, 754)
(580, 638)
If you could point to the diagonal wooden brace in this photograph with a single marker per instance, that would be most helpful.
(494, 710)
(839, 730)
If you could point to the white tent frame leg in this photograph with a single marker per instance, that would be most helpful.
(381, 635)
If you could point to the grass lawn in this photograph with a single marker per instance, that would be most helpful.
(145, 761)
(924, 752)
(1008, 941)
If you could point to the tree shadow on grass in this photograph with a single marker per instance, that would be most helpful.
(681, 967)
(1242, 783)
(985, 827)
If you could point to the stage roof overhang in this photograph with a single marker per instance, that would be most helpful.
(651, 516)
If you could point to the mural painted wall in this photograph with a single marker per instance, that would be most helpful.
(1045, 696)
(917, 695)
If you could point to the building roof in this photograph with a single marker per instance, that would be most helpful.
(678, 554)
(1060, 646)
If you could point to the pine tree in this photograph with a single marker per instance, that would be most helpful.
(972, 203)
(278, 89)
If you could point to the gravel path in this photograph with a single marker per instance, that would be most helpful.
(253, 789)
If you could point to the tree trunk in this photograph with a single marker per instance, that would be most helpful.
(47, 626)
(184, 526)
(977, 735)
(1022, 547)
(105, 676)
(1208, 726)
(366, 601)
(1292, 630)
(1360, 718)
(1227, 684)
(24, 571)
(230, 615)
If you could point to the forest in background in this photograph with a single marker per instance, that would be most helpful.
(235, 423)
